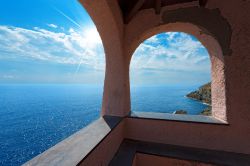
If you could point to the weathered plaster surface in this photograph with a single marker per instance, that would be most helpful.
(107, 17)
(224, 29)
(105, 151)
(209, 20)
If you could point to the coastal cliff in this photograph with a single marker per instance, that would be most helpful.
(203, 94)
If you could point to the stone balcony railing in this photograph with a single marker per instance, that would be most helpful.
(141, 137)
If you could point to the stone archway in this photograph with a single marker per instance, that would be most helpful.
(216, 57)
(120, 41)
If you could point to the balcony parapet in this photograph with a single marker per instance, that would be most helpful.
(78, 146)
(178, 117)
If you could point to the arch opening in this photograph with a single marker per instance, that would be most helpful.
(52, 68)
(213, 55)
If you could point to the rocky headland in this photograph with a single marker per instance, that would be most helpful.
(203, 94)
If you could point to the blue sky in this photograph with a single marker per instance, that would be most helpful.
(55, 41)
(172, 58)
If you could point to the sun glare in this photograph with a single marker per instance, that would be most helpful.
(92, 36)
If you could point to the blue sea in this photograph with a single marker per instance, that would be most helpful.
(35, 117)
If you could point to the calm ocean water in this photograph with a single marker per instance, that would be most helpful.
(35, 117)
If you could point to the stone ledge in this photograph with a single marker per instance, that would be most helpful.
(78, 146)
(178, 117)
(74, 149)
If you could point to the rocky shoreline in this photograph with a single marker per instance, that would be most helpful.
(203, 94)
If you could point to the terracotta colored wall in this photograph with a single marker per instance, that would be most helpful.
(236, 68)
(208, 136)
(150, 160)
(120, 41)
(105, 151)
(108, 20)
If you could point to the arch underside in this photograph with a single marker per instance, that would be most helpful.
(193, 20)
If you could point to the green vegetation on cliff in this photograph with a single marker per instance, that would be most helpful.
(203, 94)
(180, 112)
(207, 111)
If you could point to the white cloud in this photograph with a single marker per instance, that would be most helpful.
(52, 25)
(152, 39)
(170, 58)
(179, 51)
(70, 47)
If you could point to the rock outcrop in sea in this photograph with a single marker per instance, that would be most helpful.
(203, 94)
(207, 111)
(180, 112)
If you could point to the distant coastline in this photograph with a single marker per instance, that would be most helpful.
(203, 94)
